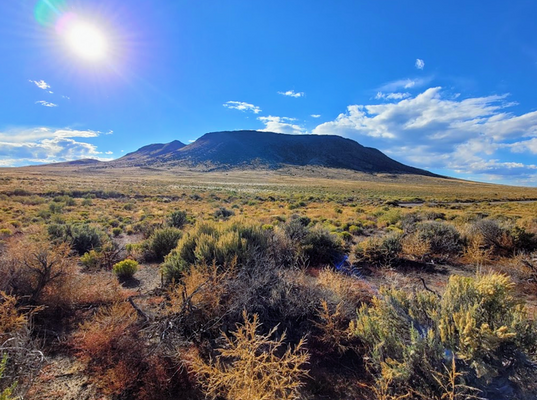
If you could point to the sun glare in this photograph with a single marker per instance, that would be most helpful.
(86, 40)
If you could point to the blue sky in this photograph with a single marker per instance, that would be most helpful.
(444, 85)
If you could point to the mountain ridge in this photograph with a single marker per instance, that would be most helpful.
(224, 150)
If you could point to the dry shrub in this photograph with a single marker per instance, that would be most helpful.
(414, 248)
(120, 359)
(340, 296)
(95, 288)
(197, 300)
(348, 291)
(333, 327)
(249, 367)
(477, 254)
(108, 344)
(19, 358)
(11, 319)
(36, 268)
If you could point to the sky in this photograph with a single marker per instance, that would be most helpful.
(449, 86)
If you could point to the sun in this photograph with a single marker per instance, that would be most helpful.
(86, 40)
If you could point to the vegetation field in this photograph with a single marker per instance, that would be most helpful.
(287, 284)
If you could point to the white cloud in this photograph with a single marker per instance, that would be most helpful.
(292, 93)
(420, 64)
(34, 134)
(40, 84)
(525, 146)
(46, 103)
(108, 152)
(437, 131)
(242, 106)
(45, 145)
(392, 96)
(281, 125)
(408, 83)
(316, 115)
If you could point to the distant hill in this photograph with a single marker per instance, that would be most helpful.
(255, 149)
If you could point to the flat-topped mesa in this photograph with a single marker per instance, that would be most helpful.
(258, 149)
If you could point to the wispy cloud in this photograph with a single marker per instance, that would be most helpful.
(40, 84)
(434, 130)
(407, 83)
(420, 64)
(316, 115)
(392, 96)
(242, 106)
(281, 125)
(292, 93)
(46, 103)
(46, 145)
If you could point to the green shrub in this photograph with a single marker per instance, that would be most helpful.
(321, 247)
(164, 240)
(221, 243)
(477, 328)
(55, 208)
(390, 217)
(90, 260)
(125, 269)
(116, 232)
(6, 393)
(82, 237)
(177, 219)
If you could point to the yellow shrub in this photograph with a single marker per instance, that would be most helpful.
(249, 368)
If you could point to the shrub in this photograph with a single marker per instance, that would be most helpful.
(163, 241)
(177, 219)
(223, 213)
(321, 247)
(90, 260)
(116, 232)
(477, 325)
(443, 240)
(35, 266)
(490, 235)
(19, 359)
(523, 240)
(250, 367)
(380, 251)
(6, 393)
(107, 343)
(82, 237)
(296, 229)
(125, 269)
(219, 243)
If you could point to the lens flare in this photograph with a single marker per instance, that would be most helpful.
(46, 12)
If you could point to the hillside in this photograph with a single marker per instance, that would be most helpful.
(254, 149)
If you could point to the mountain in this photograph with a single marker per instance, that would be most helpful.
(255, 149)
(152, 152)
